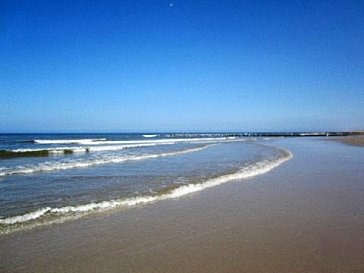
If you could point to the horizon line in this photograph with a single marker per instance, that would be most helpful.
(191, 132)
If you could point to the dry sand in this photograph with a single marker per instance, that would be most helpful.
(305, 216)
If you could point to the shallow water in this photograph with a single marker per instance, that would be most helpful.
(108, 171)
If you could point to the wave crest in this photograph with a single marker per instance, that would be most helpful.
(68, 141)
(48, 166)
(252, 170)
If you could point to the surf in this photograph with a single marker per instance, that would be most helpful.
(68, 141)
(40, 216)
(83, 163)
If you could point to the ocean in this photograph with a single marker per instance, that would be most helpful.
(50, 178)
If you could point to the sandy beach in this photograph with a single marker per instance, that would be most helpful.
(352, 140)
(305, 216)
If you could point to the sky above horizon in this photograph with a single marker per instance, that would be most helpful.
(150, 66)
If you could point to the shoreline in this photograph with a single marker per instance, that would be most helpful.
(351, 140)
(41, 216)
(305, 216)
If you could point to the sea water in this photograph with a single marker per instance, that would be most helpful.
(49, 178)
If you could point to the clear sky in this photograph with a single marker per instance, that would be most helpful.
(133, 66)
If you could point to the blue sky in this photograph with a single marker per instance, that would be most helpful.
(132, 66)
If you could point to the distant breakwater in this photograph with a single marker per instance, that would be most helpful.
(268, 134)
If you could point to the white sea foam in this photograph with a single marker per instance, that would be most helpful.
(159, 141)
(68, 141)
(119, 147)
(103, 141)
(84, 149)
(55, 166)
(246, 172)
(25, 217)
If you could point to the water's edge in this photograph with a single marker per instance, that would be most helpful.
(49, 215)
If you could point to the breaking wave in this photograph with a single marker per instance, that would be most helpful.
(68, 141)
(85, 149)
(9, 224)
(144, 141)
(55, 166)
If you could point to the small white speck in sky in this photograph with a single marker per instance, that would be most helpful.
(171, 4)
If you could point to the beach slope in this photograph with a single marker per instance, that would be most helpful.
(305, 216)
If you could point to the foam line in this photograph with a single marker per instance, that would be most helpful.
(252, 170)
(158, 141)
(68, 141)
(55, 166)
(86, 149)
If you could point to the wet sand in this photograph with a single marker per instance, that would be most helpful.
(352, 140)
(305, 216)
